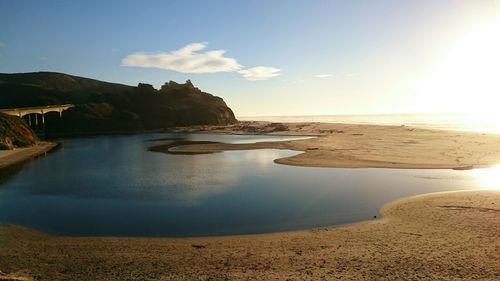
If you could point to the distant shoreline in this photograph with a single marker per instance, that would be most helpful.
(435, 121)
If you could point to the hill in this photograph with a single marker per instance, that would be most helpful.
(15, 133)
(105, 107)
(61, 82)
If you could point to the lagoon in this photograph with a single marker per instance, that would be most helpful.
(115, 186)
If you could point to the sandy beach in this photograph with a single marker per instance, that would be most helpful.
(250, 140)
(442, 236)
(363, 146)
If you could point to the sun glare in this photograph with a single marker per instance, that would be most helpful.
(488, 177)
(467, 78)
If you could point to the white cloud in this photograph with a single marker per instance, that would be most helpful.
(2, 44)
(259, 73)
(191, 59)
(44, 58)
(187, 59)
(323, 75)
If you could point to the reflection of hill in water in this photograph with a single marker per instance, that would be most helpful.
(110, 168)
(9, 171)
(113, 185)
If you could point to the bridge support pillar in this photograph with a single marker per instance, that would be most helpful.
(36, 110)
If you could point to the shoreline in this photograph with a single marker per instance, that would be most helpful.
(16, 156)
(337, 145)
(429, 236)
(443, 235)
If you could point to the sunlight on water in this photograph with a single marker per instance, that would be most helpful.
(115, 186)
(487, 122)
(488, 177)
(477, 122)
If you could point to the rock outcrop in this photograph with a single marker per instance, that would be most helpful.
(15, 133)
(110, 107)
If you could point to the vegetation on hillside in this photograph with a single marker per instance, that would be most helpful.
(15, 133)
(104, 107)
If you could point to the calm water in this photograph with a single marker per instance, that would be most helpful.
(113, 185)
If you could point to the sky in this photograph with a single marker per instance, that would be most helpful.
(272, 57)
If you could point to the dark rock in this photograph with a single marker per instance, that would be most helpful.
(106, 107)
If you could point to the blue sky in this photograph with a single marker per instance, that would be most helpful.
(316, 57)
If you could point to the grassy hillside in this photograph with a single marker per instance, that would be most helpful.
(15, 133)
(62, 82)
(104, 107)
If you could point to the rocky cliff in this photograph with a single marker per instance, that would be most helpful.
(15, 133)
(105, 107)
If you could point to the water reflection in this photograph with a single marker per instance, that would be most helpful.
(264, 158)
(488, 177)
(9, 171)
(113, 169)
(114, 186)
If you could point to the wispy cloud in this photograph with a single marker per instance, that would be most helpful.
(323, 75)
(192, 59)
(43, 58)
(187, 59)
(2, 44)
(260, 72)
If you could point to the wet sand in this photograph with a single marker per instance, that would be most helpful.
(16, 156)
(363, 146)
(441, 236)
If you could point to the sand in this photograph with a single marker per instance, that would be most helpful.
(364, 146)
(15, 156)
(441, 236)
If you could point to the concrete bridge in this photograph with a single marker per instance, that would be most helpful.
(42, 110)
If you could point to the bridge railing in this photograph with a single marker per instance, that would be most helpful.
(42, 110)
(65, 106)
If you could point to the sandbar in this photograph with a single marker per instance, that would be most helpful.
(362, 146)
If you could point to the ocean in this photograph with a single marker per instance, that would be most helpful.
(441, 121)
